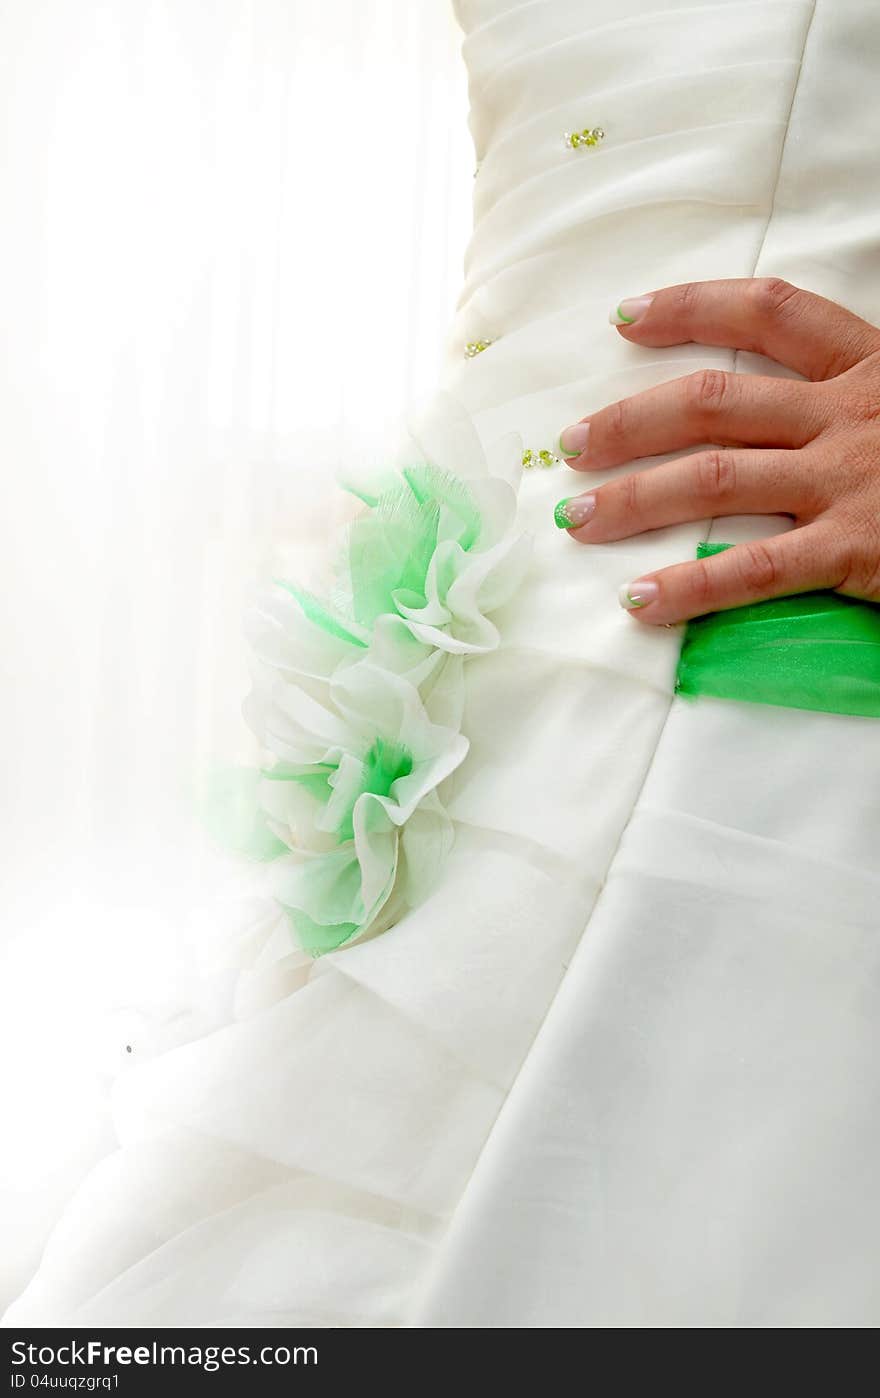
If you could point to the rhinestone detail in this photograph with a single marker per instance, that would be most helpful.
(544, 459)
(475, 347)
(590, 136)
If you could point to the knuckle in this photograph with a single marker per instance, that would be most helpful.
(615, 423)
(630, 492)
(773, 296)
(757, 567)
(700, 581)
(687, 298)
(716, 475)
(706, 390)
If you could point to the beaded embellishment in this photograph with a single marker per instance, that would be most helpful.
(475, 347)
(590, 136)
(543, 458)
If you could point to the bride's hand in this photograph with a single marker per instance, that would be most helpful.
(810, 450)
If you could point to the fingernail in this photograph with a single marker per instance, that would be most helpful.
(575, 511)
(631, 310)
(637, 594)
(573, 440)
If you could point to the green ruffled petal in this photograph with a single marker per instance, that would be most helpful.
(390, 547)
(316, 780)
(432, 486)
(322, 615)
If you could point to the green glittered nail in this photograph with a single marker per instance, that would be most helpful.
(560, 515)
(574, 512)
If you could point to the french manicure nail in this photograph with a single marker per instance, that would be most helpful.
(575, 511)
(573, 440)
(630, 310)
(633, 595)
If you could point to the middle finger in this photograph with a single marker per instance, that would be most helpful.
(704, 486)
(709, 406)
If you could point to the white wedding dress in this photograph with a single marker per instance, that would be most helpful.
(622, 1067)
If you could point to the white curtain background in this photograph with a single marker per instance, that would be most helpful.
(230, 244)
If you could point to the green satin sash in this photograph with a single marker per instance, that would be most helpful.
(816, 650)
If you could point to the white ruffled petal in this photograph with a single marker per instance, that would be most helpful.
(492, 579)
(455, 616)
(281, 635)
(444, 434)
(496, 502)
(376, 843)
(293, 725)
(326, 887)
(425, 841)
(293, 812)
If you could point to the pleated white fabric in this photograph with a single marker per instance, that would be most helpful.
(620, 1068)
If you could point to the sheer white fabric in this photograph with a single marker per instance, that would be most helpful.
(230, 243)
(617, 1069)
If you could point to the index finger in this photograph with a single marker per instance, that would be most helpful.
(806, 332)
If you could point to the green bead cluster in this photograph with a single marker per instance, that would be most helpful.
(542, 458)
(475, 347)
(590, 136)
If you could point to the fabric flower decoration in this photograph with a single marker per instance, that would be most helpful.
(288, 643)
(358, 696)
(432, 549)
(353, 795)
